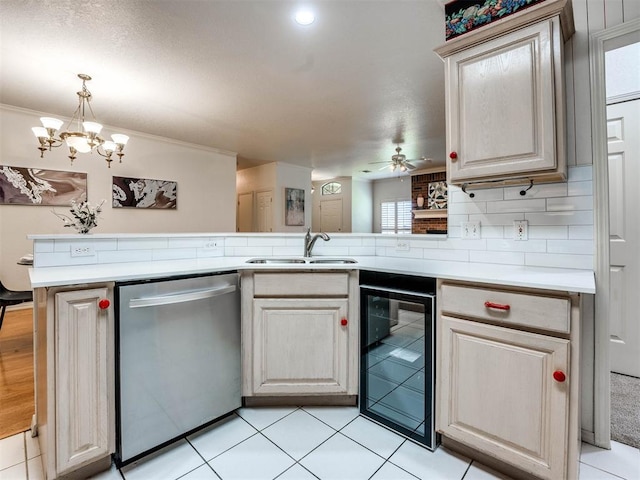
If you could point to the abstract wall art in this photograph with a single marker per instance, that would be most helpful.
(37, 186)
(294, 206)
(144, 193)
(438, 196)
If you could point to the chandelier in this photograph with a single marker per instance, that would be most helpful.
(80, 136)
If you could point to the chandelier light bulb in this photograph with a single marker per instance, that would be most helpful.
(120, 139)
(50, 122)
(40, 132)
(109, 146)
(92, 127)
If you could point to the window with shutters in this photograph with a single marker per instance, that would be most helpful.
(395, 217)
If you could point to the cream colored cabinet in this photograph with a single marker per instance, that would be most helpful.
(300, 334)
(506, 388)
(75, 411)
(505, 104)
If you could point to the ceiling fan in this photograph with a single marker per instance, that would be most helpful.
(399, 162)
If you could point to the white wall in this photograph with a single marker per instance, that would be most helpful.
(205, 177)
(361, 206)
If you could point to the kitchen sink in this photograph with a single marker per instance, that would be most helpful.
(333, 260)
(276, 260)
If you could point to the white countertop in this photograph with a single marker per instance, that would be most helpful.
(559, 279)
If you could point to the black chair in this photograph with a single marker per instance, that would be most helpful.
(12, 297)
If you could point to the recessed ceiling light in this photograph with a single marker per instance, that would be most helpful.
(305, 17)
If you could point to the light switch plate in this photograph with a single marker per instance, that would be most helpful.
(470, 230)
(520, 230)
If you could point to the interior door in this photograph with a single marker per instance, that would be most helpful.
(245, 212)
(623, 125)
(331, 215)
(264, 211)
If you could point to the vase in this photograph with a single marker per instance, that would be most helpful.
(420, 201)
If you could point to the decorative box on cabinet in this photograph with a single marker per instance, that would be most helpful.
(300, 334)
(75, 415)
(504, 88)
(508, 379)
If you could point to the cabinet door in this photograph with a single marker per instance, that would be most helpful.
(300, 346)
(501, 105)
(497, 394)
(83, 421)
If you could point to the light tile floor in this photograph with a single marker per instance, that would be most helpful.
(305, 443)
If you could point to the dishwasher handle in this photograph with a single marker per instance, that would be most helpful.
(180, 297)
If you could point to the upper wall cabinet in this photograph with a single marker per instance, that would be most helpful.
(504, 87)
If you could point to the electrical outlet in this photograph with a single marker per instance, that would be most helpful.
(470, 230)
(211, 244)
(520, 230)
(402, 245)
(82, 251)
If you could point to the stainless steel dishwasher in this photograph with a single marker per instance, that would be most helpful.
(177, 359)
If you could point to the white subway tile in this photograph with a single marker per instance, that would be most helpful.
(464, 243)
(250, 251)
(209, 252)
(447, 255)
(389, 241)
(509, 245)
(235, 242)
(289, 251)
(327, 250)
(514, 206)
(142, 243)
(582, 262)
(583, 202)
(294, 241)
(338, 242)
(485, 195)
(120, 256)
(580, 188)
(495, 219)
(411, 253)
(504, 258)
(424, 243)
(368, 242)
(491, 231)
(557, 232)
(581, 173)
(579, 232)
(454, 231)
(560, 218)
(173, 254)
(362, 251)
(266, 242)
(584, 247)
(190, 242)
(456, 220)
(466, 208)
(56, 259)
(543, 190)
(43, 246)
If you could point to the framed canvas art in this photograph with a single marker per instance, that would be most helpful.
(37, 186)
(144, 193)
(437, 196)
(294, 207)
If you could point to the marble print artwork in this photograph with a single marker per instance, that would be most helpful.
(294, 206)
(144, 193)
(37, 186)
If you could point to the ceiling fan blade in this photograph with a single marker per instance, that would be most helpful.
(386, 166)
(409, 166)
(373, 163)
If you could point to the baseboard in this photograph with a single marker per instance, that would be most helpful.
(588, 437)
(301, 400)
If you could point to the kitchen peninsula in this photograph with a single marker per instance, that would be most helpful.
(74, 325)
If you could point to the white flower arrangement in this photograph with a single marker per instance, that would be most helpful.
(84, 216)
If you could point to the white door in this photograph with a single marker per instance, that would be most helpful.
(264, 211)
(245, 212)
(623, 127)
(331, 215)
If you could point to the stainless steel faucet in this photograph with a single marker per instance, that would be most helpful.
(310, 241)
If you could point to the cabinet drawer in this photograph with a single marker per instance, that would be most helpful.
(537, 311)
(301, 284)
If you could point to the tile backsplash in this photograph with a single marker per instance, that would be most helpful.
(559, 216)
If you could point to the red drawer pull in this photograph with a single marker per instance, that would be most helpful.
(453, 155)
(559, 376)
(497, 306)
(104, 304)
(344, 322)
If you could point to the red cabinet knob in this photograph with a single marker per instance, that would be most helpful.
(344, 322)
(559, 376)
(453, 155)
(104, 304)
(497, 306)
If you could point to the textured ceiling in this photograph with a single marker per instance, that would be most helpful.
(240, 75)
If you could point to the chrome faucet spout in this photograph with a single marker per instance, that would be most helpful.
(310, 241)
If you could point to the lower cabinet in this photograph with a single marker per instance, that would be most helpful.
(75, 414)
(300, 334)
(504, 391)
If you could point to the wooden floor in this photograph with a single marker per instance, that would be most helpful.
(16, 372)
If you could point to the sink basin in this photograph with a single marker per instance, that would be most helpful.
(333, 260)
(276, 260)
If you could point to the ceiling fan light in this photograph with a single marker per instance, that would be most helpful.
(92, 127)
(305, 17)
(50, 122)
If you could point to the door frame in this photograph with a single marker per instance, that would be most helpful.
(599, 44)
